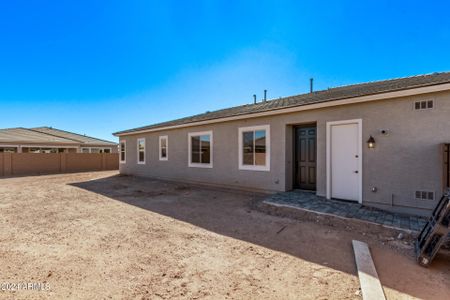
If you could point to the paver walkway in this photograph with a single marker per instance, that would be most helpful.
(312, 202)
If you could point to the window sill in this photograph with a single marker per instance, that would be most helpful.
(255, 168)
(205, 166)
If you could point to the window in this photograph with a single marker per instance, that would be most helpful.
(122, 151)
(141, 151)
(8, 149)
(95, 150)
(424, 195)
(425, 104)
(200, 149)
(163, 148)
(254, 148)
(43, 150)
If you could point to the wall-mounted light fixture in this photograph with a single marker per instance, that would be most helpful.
(371, 142)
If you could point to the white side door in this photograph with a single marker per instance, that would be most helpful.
(344, 160)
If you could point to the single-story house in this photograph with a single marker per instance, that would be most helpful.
(377, 143)
(51, 140)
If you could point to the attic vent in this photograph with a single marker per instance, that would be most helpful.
(425, 104)
(424, 195)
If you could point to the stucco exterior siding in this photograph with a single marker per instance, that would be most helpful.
(407, 159)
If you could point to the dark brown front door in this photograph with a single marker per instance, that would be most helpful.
(305, 158)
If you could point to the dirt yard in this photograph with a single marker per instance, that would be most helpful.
(99, 235)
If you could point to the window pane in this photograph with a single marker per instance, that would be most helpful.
(106, 150)
(95, 150)
(163, 148)
(84, 150)
(195, 149)
(141, 150)
(424, 195)
(260, 148)
(247, 151)
(206, 149)
(48, 150)
(8, 150)
(122, 151)
(141, 145)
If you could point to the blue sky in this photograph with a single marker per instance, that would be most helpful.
(96, 67)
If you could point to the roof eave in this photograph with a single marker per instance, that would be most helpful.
(345, 101)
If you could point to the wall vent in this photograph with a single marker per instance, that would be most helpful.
(424, 195)
(424, 104)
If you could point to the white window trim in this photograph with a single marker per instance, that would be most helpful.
(124, 150)
(241, 130)
(137, 148)
(200, 165)
(167, 148)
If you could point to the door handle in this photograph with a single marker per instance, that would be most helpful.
(356, 171)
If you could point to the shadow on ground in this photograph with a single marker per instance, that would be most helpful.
(230, 213)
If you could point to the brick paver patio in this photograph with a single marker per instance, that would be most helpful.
(312, 202)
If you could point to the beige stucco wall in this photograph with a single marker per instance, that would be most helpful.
(406, 160)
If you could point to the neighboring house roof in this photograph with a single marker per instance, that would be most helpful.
(24, 135)
(51, 137)
(331, 94)
(84, 139)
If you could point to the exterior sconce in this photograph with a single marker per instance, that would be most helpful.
(371, 142)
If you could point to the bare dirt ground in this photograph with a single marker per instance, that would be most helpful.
(99, 235)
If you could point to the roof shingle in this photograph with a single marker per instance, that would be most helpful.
(84, 139)
(331, 94)
(48, 135)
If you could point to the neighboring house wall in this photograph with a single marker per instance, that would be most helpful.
(406, 160)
